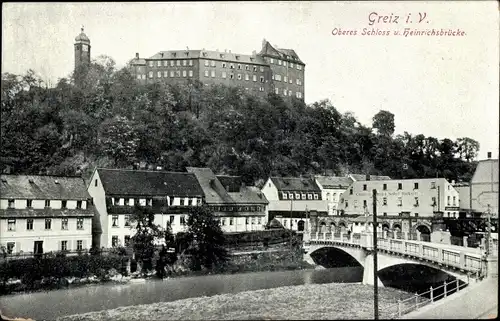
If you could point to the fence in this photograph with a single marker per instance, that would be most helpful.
(421, 299)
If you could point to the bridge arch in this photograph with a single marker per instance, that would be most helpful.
(396, 226)
(349, 255)
(422, 228)
(300, 225)
(385, 225)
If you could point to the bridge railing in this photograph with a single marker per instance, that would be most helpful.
(421, 299)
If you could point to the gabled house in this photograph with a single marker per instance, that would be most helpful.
(292, 198)
(40, 214)
(238, 207)
(331, 189)
(117, 191)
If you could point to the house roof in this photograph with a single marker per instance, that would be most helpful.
(43, 187)
(362, 177)
(295, 184)
(209, 54)
(216, 193)
(149, 183)
(332, 182)
(485, 171)
(287, 54)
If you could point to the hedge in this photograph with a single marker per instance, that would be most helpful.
(269, 236)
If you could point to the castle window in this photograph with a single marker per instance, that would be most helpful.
(171, 63)
(285, 79)
(247, 77)
(158, 74)
(212, 73)
(158, 63)
(224, 74)
(178, 63)
(261, 78)
(165, 74)
(184, 73)
(184, 62)
(206, 73)
(150, 74)
(190, 73)
(151, 63)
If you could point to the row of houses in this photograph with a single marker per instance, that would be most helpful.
(52, 213)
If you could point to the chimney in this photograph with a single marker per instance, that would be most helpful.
(254, 53)
(489, 155)
(136, 55)
(367, 177)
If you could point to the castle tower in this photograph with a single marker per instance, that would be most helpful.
(82, 50)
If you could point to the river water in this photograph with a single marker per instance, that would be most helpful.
(52, 304)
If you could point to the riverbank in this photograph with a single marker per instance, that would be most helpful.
(311, 301)
(281, 260)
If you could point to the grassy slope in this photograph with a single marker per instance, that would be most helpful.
(313, 301)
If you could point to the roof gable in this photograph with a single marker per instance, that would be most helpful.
(43, 187)
(149, 183)
(362, 177)
(486, 170)
(334, 182)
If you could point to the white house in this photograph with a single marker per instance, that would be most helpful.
(40, 214)
(169, 195)
(291, 199)
(331, 189)
(238, 207)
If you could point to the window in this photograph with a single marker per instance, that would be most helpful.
(385, 213)
(239, 66)
(177, 73)
(272, 60)
(285, 79)
(182, 202)
(299, 67)
(158, 74)
(206, 73)
(253, 220)
(127, 201)
(198, 201)
(285, 196)
(190, 202)
(178, 63)
(239, 76)
(11, 224)
(448, 201)
(364, 187)
(184, 73)
(64, 224)
(231, 66)
(284, 92)
(284, 222)
(165, 63)
(190, 73)
(79, 245)
(183, 220)
(224, 65)
(400, 201)
(416, 214)
(254, 68)
(346, 204)
(299, 94)
(150, 74)
(149, 202)
(365, 204)
(11, 203)
(261, 88)
(114, 241)
(172, 74)
(171, 219)
(433, 201)
(384, 187)
(261, 78)
(165, 74)
(79, 204)
(350, 191)
(454, 200)
(151, 64)
(127, 240)
(224, 74)
(277, 77)
(231, 221)
(279, 62)
(114, 219)
(212, 73)
(247, 77)
(190, 62)
(47, 203)
(316, 196)
(29, 224)
(303, 196)
(48, 223)
(384, 201)
(247, 67)
(400, 185)
(276, 91)
(79, 223)
(64, 245)
(290, 196)
(261, 69)
(171, 63)
(247, 220)
(158, 63)
(449, 186)
(184, 62)
(223, 221)
(297, 196)
(127, 220)
(231, 76)
(416, 202)
(64, 203)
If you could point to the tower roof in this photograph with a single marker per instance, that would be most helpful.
(82, 37)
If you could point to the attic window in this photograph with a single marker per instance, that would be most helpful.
(56, 181)
(237, 57)
(31, 181)
(174, 54)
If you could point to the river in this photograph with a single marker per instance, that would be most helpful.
(55, 303)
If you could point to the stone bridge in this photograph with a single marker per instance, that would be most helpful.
(458, 261)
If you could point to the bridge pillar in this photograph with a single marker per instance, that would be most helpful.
(492, 267)
(368, 271)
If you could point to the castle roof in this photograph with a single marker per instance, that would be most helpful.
(82, 37)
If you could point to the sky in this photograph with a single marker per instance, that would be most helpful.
(440, 86)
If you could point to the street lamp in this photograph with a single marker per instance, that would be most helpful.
(375, 278)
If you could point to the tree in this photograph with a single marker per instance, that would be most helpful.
(467, 148)
(206, 239)
(146, 236)
(383, 121)
(119, 139)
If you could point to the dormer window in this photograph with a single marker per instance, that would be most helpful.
(64, 203)
(174, 54)
(285, 196)
(47, 203)
(149, 202)
(316, 196)
(12, 203)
